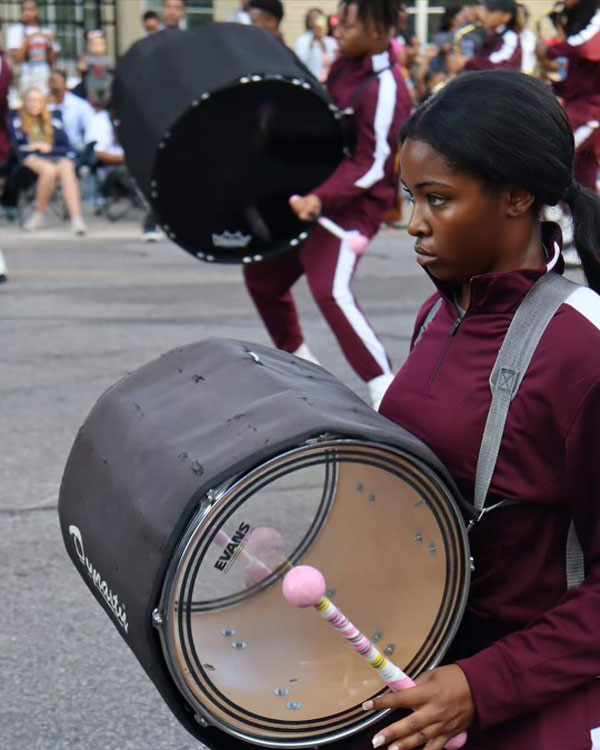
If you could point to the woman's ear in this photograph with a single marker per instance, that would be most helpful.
(519, 202)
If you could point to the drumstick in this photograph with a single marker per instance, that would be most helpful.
(304, 586)
(357, 242)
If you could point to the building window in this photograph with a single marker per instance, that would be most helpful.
(70, 20)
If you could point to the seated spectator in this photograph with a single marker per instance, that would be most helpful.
(101, 133)
(43, 147)
(111, 161)
(317, 50)
(268, 15)
(151, 22)
(96, 69)
(5, 81)
(32, 47)
(76, 113)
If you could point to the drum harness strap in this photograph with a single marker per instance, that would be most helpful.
(517, 350)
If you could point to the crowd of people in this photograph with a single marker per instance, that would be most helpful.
(55, 130)
(472, 36)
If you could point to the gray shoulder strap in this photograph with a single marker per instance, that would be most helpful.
(523, 336)
(428, 320)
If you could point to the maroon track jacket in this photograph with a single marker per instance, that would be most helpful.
(581, 88)
(365, 182)
(500, 49)
(531, 650)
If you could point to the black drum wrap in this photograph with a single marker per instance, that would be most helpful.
(155, 450)
(220, 126)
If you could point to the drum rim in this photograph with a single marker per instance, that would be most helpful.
(210, 500)
(210, 256)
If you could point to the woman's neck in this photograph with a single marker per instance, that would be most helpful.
(529, 254)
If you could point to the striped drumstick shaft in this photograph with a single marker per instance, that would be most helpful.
(392, 675)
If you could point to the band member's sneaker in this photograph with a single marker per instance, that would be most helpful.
(152, 235)
(378, 387)
(78, 226)
(305, 353)
(34, 222)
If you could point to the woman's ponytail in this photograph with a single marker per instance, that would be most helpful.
(585, 210)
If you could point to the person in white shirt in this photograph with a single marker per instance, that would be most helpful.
(317, 50)
(77, 114)
(241, 15)
(32, 47)
(101, 133)
(528, 41)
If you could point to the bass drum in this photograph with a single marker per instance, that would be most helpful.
(199, 480)
(220, 126)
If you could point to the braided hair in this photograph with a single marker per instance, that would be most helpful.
(383, 13)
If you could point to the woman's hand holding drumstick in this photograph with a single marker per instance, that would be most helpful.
(441, 699)
(309, 207)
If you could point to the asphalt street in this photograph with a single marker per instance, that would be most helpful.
(76, 315)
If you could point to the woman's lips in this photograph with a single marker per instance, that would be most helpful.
(424, 258)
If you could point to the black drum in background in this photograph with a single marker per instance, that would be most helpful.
(197, 481)
(220, 126)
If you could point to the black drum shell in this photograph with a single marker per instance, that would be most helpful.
(160, 438)
(185, 121)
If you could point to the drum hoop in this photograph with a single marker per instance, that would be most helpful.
(208, 256)
(211, 499)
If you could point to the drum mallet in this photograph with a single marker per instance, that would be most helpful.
(357, 242)
(304, 586)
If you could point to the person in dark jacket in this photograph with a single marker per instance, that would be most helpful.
(43, 147)
(479, 161)
(357, 196)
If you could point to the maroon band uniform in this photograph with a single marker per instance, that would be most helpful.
(357, 197)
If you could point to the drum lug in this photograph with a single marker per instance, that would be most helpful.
(157, 618)
(201, 720)
(472, 564)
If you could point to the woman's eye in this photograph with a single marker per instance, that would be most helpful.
(436, 200)
(409, 196)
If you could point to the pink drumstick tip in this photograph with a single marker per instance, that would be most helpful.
(304, 586)
(358, 243)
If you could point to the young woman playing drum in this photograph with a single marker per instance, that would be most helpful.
(479, 161)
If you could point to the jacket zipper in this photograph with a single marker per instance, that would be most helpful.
(453, 331)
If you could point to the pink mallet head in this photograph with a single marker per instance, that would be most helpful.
(358, 243)
(304, 586)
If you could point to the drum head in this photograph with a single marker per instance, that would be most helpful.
(227, 168)
(390, 541)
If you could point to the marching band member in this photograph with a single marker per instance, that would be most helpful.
(357, 197)
(480, 160)
(501, 47)
(579, 43)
